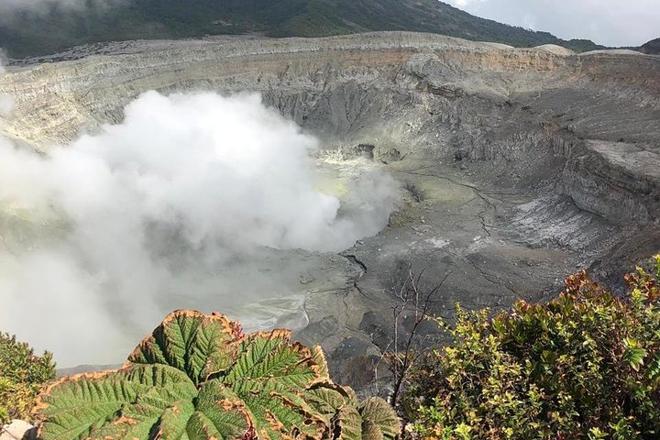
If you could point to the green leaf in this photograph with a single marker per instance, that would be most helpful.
(378, 415)
(226, 411)
(348, 424)
(192, 342)
(198, 378)
(635, 357)
(327, 401)
(201, 427)
(271, 357)
(173, 423)
(634, 354)
(127, 399)
(270, 375)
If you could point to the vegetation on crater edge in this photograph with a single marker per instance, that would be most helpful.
(198, 377)
(21, 375)
(586, 365)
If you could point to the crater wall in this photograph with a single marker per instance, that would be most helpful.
(520, 165)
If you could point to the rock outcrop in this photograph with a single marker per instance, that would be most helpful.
(651, 48)
(18, 430)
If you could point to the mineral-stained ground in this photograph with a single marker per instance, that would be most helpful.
(519, 166)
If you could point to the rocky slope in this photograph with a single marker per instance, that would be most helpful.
(652, 47)
(520, 165)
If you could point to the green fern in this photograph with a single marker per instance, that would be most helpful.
(197, 377)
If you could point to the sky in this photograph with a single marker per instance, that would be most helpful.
(607, 22)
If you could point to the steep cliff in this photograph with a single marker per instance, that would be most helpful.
(439, 97)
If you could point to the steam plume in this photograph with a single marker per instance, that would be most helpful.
(6, 102)
(177, 206)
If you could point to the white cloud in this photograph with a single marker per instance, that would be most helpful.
(26, 4)
(6, 105)
(608, 22)
(8, 6)
(173, 205)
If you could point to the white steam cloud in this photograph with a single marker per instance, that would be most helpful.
(174, 207)
(34, 5)
(6, 102)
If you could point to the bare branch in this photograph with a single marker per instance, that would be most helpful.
(410, 291)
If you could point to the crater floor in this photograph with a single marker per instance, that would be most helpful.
(518, 166)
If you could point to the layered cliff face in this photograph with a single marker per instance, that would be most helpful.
(518, 165)
(424, 95)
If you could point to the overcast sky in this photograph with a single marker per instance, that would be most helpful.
(607, 22)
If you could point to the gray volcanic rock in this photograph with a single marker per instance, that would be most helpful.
(652, 47)
(520, 165)
(615, 180)
(18, 430)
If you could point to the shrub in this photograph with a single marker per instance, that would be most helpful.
(583, 366)
(198, 377)
(21, 376)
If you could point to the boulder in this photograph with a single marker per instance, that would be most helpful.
(18, 430)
